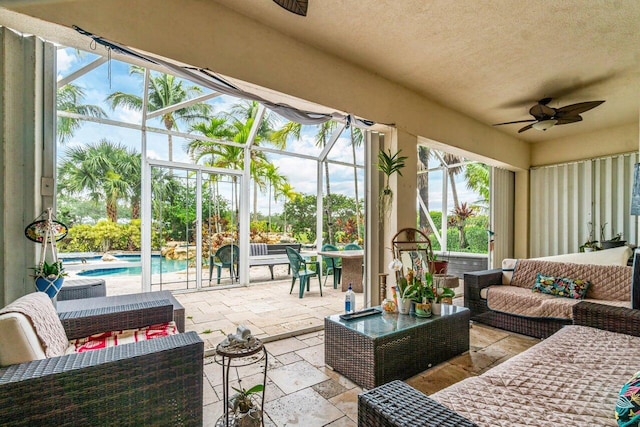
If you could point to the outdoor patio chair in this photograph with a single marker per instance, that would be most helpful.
(225, 257)
(301, 270)
(46, 379)
(352, 247)
(333, 265)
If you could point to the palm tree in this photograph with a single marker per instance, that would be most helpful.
(452, 171)
(324, 133)
(423, 183)
(98, 170)
(165, 90)
(477, 178)
(275, 181)
(289, 195)
(356, 141)
(69, 98)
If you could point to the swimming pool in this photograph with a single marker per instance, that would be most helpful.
(158, 264)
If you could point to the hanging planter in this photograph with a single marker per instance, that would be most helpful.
(49, 276)
(388, 164)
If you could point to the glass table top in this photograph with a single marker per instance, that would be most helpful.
(384, 324)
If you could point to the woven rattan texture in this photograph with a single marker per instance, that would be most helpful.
(474, 282)
(120, 300)
(615, 319)
(152, 383)
(82, 288)
(370, 362)
(80, 324)
(398, 404)
(608, 282)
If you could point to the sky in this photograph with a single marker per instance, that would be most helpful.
(114, 76)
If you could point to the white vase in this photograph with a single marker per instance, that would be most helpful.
(404, 306)
(436, 308)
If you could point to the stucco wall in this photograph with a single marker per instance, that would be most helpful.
(621, 139)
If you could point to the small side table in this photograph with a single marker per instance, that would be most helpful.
(234, 357)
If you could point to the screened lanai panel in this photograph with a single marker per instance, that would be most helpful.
(571, 202)
(502, 198)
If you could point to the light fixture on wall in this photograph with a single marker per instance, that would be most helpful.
(544, 124)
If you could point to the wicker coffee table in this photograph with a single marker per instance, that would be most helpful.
(374, 350)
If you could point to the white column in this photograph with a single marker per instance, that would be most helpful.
(26, 154)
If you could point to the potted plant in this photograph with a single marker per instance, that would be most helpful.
(49, 277)
(388, 164)
(437, 266)
(246, 412)
(591, 244)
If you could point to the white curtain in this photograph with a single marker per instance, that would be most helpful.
(573, 200)
(502, 190)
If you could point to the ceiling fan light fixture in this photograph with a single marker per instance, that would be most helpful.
(544, 124)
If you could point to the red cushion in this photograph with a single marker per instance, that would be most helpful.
(113, 338)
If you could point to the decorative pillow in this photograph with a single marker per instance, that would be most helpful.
(114, 338)
(628, 404)
(561, 286)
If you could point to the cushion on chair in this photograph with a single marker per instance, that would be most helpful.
(18, 341)
(114, 338)
(42, 316)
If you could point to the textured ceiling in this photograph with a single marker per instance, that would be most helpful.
(491, 59)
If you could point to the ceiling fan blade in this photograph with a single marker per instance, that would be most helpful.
(527, 127)
(575, 109)
(541, 111)
(569, 119)
(517, 121)
(299, 7)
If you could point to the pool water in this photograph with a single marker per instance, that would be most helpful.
(158, 265)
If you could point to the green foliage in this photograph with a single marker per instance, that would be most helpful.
(477, 238)
(389, 163)
(481, 221)
(49, 270)
(259, 226)
(105, 236)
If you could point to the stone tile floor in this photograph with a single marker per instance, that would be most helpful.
(302, 391)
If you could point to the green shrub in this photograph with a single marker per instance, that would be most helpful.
(478, 239)
(481, 221)
(106, 236)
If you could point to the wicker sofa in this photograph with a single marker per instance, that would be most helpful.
(571, 378)
(502, 297)
(153, 382)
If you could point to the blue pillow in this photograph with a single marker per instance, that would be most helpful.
(561, 286)
(628, 404)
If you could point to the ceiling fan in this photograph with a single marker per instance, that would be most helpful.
(299, 7)
(545, 117)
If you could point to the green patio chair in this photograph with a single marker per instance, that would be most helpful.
(225, 257)
(333, 265)
(301, 270)
(352, 247)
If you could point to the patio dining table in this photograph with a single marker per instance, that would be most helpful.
(351, 267)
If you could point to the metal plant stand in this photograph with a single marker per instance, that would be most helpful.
(236, 357)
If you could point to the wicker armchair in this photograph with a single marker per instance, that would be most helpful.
(154, 382)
